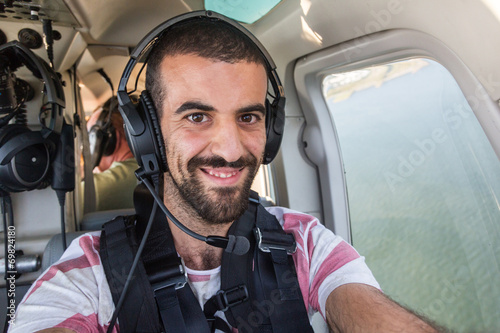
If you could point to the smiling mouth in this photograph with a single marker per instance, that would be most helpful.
(222, 174)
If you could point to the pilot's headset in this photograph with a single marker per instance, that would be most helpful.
(26, 155)
(102, 135)
(141, 121)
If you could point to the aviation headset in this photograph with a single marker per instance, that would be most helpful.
(102, 135)
(141, 121)
(25, 155)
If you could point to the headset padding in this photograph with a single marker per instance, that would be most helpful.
(154, 124)
(23, 172)
(102, 138)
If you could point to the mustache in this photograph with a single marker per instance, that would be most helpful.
(219, 162)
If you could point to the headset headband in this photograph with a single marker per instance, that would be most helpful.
(40, 69)
(142, 50)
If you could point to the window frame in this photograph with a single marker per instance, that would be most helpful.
(375, 49)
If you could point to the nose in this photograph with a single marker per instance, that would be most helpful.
(226, 141)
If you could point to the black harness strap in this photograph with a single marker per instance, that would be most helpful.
(165, 289)
(238, 271)
(179, 310)
(277, 304)
(159, 288)
(117, 251)
(278, 277)
(170, 310)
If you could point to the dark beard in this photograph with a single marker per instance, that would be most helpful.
(230, 202)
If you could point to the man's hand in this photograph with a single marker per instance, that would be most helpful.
(362, 308)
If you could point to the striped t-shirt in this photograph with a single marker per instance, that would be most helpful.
(74, 292)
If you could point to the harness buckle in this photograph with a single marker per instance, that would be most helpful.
(172, 276)
(272, 240)
(232, 297)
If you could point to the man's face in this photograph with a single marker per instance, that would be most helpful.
(213, 124)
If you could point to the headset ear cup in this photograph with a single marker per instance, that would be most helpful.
(102, 138)
(97, 140)
(154, 125)
(3, 168)
(107, 134)
(109, 145)
(275, 123)
(25, 157)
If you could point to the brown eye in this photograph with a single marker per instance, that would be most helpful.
(197, 118)
(247, 118)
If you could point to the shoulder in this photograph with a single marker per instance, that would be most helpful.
(118, 171)
(86, 245)
(83, 252)
(72, 293)
(312, 237)
(292, 220)
(324, 261)
(129, 163)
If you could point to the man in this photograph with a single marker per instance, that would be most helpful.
(209, 85)
(114, 178)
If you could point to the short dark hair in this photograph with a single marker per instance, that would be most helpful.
(203, 37)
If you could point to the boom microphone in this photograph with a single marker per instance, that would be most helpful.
(238, 245)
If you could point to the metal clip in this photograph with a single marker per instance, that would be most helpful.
(280, 241)
(176, 276)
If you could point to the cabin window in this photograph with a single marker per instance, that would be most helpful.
(423, 186)
(264, 185)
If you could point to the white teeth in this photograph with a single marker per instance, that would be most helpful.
(222, 175)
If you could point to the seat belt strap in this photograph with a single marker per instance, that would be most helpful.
(159, 290)
(179, 310)
(194, 318)
(170, 310)
(287, 291)
(287, 311)
(280, 245)
(117, 250)
(221, 325)
(268, 271)
(237, 269)
(89, 194)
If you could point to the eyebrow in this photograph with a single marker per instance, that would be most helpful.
(193, 105)
(254, 107)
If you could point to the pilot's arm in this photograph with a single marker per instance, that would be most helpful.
(361, 308)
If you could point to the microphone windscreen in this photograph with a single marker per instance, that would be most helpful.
(238, 245)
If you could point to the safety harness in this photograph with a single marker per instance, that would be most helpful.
(259, 290)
